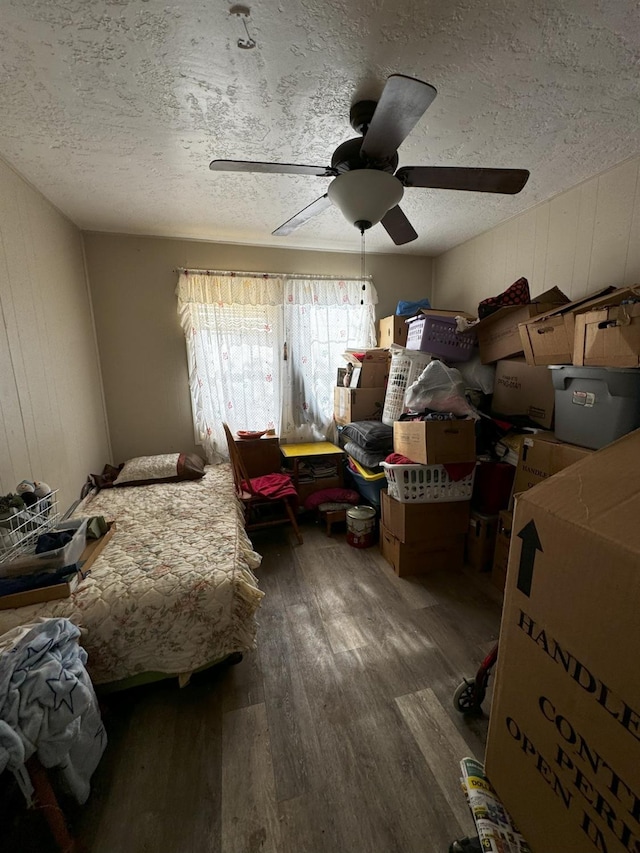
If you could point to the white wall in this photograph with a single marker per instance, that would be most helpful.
(142, 347)
(52, 419)
(583, 239)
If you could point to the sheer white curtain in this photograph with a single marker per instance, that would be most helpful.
(263, 351)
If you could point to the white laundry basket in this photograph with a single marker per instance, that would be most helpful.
(425, 484)
(406, 366)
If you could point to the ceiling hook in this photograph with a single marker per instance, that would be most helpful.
(243, 12)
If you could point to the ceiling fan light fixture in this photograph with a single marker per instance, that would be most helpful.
(363, 196)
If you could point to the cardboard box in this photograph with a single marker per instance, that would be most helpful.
(501, 553)
(542, 456)
(414, 558)
(64, 589)
(608, 337)
(481, 540)
(357, 404)
(435, 442)
(443, 312)
(412, 522)
(520, 389)
(94, 548)
(498, 334)
(563, 749)
(370, 367)
(392, 330)
(549, 338)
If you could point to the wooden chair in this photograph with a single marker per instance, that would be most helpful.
(257, 507)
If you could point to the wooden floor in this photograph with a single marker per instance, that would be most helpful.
(337, 734)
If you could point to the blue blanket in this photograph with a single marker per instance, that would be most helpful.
(47, 704)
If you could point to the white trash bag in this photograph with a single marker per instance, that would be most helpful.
(478, 376)
(440, 388)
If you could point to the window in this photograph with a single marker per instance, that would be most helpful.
(263, 350)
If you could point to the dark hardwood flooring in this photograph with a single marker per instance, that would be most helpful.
(337, 734)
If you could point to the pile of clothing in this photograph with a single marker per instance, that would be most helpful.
(48, 706)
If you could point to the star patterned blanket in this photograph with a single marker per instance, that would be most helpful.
(173, 590)
(47, 704)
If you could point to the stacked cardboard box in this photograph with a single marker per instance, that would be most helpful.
(550, 337)
(481, 540)
(498, 334)
(419, 537)
(523, 390)
(501, 553)
(363, 399)
(392, 330)
(541, 456)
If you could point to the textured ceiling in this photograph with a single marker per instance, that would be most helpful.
(114, 108)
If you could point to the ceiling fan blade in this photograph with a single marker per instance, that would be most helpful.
(271, 168)
(403, 102)
(509, 181)
(303, 216)
(398, 227)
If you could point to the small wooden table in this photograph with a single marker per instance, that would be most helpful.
(333, 516)
(314, 451)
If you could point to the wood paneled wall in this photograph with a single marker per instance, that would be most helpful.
(583, 239)
(52, 420)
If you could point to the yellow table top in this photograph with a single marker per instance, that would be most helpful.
(310, 448)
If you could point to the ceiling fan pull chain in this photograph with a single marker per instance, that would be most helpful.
(362, 263)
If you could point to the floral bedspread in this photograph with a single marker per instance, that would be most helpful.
(173, 589)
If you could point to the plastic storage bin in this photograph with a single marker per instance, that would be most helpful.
(49, 560)
(595, 405)
(368, 483)
(438, 336)
(406, 366)
(426, 484)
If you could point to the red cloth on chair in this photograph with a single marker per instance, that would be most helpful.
(272, 486)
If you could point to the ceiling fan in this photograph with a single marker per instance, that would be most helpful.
(366, 186)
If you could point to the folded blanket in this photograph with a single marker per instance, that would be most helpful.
(370, 435)
(47, 704)
(368, 458)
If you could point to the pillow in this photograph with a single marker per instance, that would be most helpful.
(337, 495)
(164, 468)
(515, 294)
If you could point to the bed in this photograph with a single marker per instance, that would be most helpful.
(172, 592)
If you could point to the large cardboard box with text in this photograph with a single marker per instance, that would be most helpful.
(542, 456)
(520, 389)
(563, 750)
(435, 442)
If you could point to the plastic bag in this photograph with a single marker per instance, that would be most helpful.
(478, 376)
(441, 388)
(408, 309)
